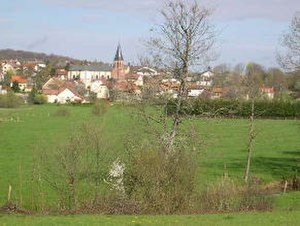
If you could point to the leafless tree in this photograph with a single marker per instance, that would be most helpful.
(183, 40)
(251, 135)
(290, 59)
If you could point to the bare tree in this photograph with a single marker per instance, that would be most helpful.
(253, 81)
(290, 60)
(252, 135)
(183, 40)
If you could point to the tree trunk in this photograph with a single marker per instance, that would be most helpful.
(250, 143)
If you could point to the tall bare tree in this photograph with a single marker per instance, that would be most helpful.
(183, 40)
(290, 60)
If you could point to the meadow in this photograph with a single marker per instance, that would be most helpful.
(245, 219)
(223, 150)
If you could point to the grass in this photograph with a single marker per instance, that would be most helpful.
(276, 152)
(275, 218)
(22, 130)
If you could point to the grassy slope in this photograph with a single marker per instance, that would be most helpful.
(284, 218)
(37, 126)
(276, 153)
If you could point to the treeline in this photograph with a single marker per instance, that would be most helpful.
(7, 54)
(235, 108)
(243, 79)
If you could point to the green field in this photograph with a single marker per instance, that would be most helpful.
(276, 150)
(258, 219)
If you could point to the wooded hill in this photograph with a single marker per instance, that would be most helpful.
(21, 55)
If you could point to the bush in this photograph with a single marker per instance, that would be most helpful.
(10, 100)
(233, 108)
(99, 108)
(221, 196)
(158, 183)
(40, 99)
(228, 196)
(63, 112)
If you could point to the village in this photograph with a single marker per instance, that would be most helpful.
(118, 81)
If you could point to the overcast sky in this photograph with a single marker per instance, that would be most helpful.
(248, 30)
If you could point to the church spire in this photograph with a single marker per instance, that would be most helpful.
(119, 55)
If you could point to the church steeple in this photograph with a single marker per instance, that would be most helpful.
(118, 71)
(119, 55)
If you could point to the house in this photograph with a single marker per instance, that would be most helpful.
(1, 76)
(59, 91)
(89, 73)
(63, 95)
(217, 93)
(22, 82)
(2, 91)
(136, 79)
(62, 74)
(36, 66)
(267, 92)
(206, 78)
(8, 67)
(100, 88)
(146, 71)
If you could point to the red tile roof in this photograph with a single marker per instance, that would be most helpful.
(267, 90)
(18, 79)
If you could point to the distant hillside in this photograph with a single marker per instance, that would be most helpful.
(20, 55)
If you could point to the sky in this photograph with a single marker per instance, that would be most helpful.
(247, 30)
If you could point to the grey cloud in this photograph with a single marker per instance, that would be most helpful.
(121, 5)
(281, 10)
(37, 43)
(4, 20)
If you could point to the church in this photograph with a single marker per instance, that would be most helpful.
(89, 73)
(119, 70)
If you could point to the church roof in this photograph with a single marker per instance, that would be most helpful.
(90, 68)
(119, 55)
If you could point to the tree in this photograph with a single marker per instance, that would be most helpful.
(15, 87)
(183, 40)
(290, 59)
(221, 75)
(277, 79)
(254, 79)
(42, 76)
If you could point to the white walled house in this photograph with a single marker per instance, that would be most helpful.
(195, 92)
(7, 67)
(59, 91)
(206, 78)
(68, 95)
(2, 91)
(63, 96)
(100, 89)
(146, 71)
(268, 93)
(87, 74)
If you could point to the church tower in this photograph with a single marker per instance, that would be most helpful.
(118, 71)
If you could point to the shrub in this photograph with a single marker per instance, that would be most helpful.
(228, 196)
(233, 108)
(99, 108)
(253, 198)
(221, 196)
(40, 99)
(10, 100)
(63, 112)
(158, 183)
